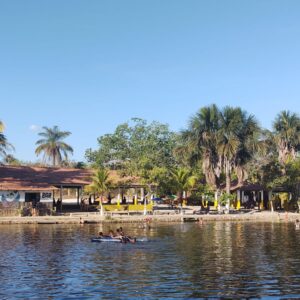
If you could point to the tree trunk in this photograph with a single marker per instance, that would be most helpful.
(180, 195)
(53, 160)
(101, 205)
(228, 177)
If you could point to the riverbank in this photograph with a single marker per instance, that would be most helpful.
(263, 216)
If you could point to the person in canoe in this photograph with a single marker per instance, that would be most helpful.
(109, 235)
(126, 238)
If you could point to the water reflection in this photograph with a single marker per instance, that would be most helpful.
(223, 259)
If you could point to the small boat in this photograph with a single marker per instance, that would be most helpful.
(115, 240)
(106, 239)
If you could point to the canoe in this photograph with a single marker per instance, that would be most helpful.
(106, 239)
(114, 240)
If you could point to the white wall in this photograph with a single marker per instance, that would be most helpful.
(19, 196)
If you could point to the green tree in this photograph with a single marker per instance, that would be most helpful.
(183, 181)
(287, 136)
(53, 146)
(5, 146)
(100, 184)
(237, 140)
(136, 148)
(224, 140)
(11, 160)
(200, 141)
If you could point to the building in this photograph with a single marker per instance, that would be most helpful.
(29, 188)
(32, 187)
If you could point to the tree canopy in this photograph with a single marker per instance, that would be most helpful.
(136, 148)
(5, 146)
(218, 145)
(53, 146)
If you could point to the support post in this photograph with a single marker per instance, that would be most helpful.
(135, 197)
(77, 194)
(271, 201)
(118, 198)
(61, 197)
(216, 202)
(262, 199)
(238, 194)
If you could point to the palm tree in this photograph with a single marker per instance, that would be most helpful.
(4, 144)
(251, 143)
(100, 184)
(183, 181)
(287, 136)
(228, 142)
(201, 137)
(237, 140)
(53, 146)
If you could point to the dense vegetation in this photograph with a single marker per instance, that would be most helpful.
(219, 147)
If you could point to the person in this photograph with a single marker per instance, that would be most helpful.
(101, 234)
(109, 199)
(297, 224)
(58, 204)
(118, 235)
(111, 234)
(82, 204)
(124, 237)
(124, 200)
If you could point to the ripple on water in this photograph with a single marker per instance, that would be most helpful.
(224, 259)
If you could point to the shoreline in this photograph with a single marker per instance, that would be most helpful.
(263, 216)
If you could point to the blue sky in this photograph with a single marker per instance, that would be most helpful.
(88, 66)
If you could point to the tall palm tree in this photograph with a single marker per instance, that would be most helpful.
(183, 181)
(237, 140)
(287, 136)
(228, 142)
(251, 143)
(201, 137)
(4, 144)
(100, 184)
(53, 146)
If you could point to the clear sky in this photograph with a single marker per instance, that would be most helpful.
(87, 66)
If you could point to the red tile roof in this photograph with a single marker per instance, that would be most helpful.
(32, 178)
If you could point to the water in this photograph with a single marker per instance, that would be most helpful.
(223, 259)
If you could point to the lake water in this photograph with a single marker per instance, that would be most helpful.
(222, 259)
